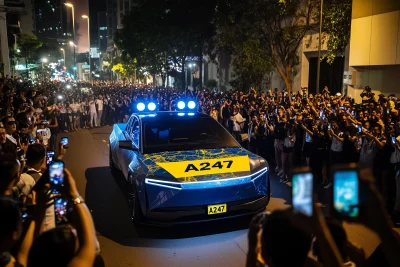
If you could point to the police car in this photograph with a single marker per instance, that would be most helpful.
(184, 167)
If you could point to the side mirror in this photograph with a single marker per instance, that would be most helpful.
(126, 144)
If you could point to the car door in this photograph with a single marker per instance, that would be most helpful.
(130, 157)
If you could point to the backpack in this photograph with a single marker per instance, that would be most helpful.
(35, 174)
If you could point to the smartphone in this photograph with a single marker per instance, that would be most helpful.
(302, 191)
(32, 141)
(360, 129)
(60, 210)
(49, 156)
(346, 192)
(56, 175)
(393, 140)
(64, 142)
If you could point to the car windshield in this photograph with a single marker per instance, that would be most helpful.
(185, 134)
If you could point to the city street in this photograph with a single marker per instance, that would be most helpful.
(211, 244)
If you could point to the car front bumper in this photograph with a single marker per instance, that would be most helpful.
(172, 203)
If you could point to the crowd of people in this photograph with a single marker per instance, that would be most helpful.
(287, 129)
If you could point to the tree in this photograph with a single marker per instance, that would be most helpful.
(337, 24)
(279, 27)
(161, 34)
(28, 44)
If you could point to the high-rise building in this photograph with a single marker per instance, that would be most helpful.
(97, 21)
(111, 10)
(124, 7)
(53, 22)
(102, 33)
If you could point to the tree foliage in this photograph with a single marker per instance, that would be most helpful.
(337, 24)
(277, 28)
(28, 44)
(124, 70)
(162, 34)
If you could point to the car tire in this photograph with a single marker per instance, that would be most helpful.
(111, 162)
(136, 210)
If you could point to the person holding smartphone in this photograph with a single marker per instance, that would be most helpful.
(335, 151)
(59, 246)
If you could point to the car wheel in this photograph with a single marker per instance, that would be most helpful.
(111, 162)
(136, 210)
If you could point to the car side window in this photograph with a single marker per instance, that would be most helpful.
(135, 135)
(129, 125)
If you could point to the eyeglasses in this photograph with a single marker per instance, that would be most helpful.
(11, 122)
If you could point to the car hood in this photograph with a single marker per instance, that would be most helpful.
(201, 165)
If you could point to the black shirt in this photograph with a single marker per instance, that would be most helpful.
(280, 131)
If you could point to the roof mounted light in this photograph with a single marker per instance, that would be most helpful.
(151, 106)
(140, 106)
(191, 104)
(181, 105)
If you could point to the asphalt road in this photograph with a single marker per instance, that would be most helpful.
(208, 244)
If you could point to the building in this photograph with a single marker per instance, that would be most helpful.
(102, 33)
(17, 16)
(375, 47)
(53, 22)
(98, 18)
(124, 7)
(111, 10)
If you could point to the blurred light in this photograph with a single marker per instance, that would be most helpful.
(60, 97)
(74, 68)
(85, 16)
(68, 4)
(68, 86)
(18, 51)
(190, 65)
(181, 105)
(151, 106)
(191, 104)
(44, 60)
(190, 114)
(140, 106)
(181, 114)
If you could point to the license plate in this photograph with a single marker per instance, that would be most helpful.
(216, 209)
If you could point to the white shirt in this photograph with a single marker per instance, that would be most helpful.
(237, 119)
(26, 183)
(74, 107)
(99, 103)
(337, 146)
(92, 107)
(12, 139)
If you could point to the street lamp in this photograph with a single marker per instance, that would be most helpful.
(88, 26)
(72, 44)
(73, 28)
